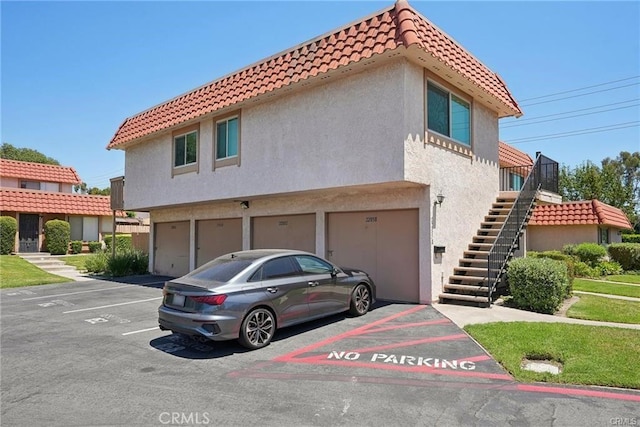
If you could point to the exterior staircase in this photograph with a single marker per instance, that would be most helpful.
(469, 283)
(484, 263)
(52, 264)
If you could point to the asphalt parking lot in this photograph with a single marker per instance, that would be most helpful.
(90, 353)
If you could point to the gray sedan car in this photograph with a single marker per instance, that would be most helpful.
(247, 295)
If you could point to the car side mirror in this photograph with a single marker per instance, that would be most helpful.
(334, 272)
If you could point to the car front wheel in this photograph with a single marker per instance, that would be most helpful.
(257, 329)
(360, 300)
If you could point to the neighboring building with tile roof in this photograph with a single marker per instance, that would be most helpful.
(35, 193)
(338, 146)
(553, 226)
(515, 165)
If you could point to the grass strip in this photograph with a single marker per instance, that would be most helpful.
(587, 285)
(16, 272)
(590, 355)
(602, 309)
(625, 278)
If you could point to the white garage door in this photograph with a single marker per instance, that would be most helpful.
(284, 232)
(171, 248)
(215, 237)
(384, 244)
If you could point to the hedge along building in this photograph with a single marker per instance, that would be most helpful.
(34, 193)
(343, 145)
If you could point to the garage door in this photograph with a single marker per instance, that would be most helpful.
(171, 248)
(215, 237)
(284, 232)
(384, 244)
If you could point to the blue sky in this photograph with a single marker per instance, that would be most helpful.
(73, 71)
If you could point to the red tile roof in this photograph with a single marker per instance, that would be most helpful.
(510, 156)
(41, 202)
(580, 213)
(38, 172)
(395, 27)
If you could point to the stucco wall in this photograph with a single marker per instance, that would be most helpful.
(554, 237)
(348, 132)
(469, 183)
(9, 182)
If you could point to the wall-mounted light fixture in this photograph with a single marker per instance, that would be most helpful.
(439, 199)
(244, 204)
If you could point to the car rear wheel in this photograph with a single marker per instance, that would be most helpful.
(360, 300)
(257, 329)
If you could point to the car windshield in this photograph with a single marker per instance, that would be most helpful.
(220, 270)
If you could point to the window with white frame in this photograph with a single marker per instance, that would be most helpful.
(448, 114)
(227, 138)
(185, 149)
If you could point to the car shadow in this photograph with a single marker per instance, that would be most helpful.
(185, 347)
(145, 280)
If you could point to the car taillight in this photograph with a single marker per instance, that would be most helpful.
(211, 299)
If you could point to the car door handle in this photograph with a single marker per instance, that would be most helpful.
(272, 290)
(313, 283)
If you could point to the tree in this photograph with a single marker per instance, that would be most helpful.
(84, 189)
(9, 152)
(616, 183)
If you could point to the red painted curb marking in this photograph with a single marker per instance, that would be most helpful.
(577, 392)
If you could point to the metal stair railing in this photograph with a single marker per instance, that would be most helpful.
(543, 175)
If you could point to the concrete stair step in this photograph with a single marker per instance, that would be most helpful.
(476, 254)
(473, 262)
(469, 271)
(481, 301)
(470, 289)
(467, 280)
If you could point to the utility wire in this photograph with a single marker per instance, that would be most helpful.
(511, 121)
(568, 117)
(608, 128)
(579, 95)
(579, 89)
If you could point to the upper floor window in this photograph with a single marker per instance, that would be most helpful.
(448, 114)
(227, 138)
(185, 149)
(30, 185)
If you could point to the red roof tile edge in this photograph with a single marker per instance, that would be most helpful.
(585, 212)
(43, 202)
(38, 171)
(284, 69)
(509, 156)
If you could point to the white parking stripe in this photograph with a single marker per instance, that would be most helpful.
(111, 305)
(141, 330)
(74, 293)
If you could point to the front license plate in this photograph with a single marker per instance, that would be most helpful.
(178, 300)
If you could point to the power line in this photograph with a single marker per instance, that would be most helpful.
(514, 120)
(568, 117)
(579, 89)
(582, 94)
(599, 129)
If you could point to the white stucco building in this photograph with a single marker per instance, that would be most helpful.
(338, 146)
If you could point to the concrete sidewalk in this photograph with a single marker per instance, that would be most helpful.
(464, 315)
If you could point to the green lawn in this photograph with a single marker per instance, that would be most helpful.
(604, 309)
(76, 260)
(15, 272)
(589, 355)
(626, 278)
(587, 285)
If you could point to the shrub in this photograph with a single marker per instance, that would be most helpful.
(127, 263)
(591, 253)
(569, 249)
(76, 247)
(58, 235)
(95, 247)
(537, 284)
(609, 268)
(96, 263)
(582, 269)
(560, 256)
(626, 254)
(123, 242)
(8, 229)
(631, 238)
